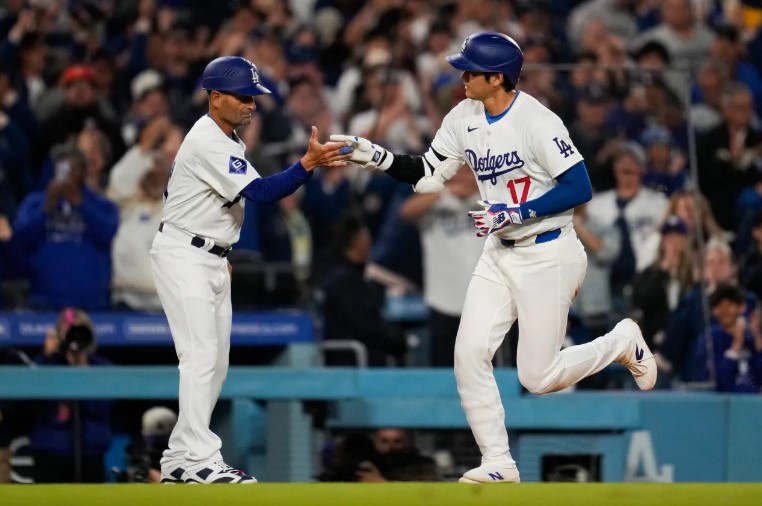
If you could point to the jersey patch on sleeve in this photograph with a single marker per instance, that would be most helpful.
(236, 166)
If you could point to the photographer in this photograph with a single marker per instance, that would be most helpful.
(70, 438)
(64, 236)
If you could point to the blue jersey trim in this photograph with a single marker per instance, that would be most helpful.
(493, 119)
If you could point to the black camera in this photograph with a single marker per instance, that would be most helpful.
(77, 338)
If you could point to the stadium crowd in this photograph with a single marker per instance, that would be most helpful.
(663, 99)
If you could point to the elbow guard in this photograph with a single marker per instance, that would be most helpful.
(437, 169)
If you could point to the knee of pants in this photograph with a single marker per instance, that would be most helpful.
(536, 382)
(470, 357)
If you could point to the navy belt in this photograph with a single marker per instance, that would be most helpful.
(538, 239)
(200, 242)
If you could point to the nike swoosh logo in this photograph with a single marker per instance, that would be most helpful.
(470, 129)
(493, 176)
(638, 353)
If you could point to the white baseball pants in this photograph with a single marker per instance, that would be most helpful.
(536, 284)
(194, 289)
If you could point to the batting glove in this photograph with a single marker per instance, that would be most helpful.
(366, 153)
(494, 217)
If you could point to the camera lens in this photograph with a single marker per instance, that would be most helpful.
(78, 338)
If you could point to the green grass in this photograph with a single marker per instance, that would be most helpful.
(386, 494)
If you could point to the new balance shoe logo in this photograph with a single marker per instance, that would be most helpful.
(496, 476)
(638, 353)
(471, 129)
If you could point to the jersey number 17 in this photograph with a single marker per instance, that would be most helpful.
(523, 184)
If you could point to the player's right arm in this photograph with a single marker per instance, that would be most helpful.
(427, 173)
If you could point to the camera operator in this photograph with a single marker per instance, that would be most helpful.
(70, 438)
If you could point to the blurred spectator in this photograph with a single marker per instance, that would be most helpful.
(81, 104)
(64, 234)
(351, 305)
(666, 167)
(750, 270)
(585, 73)
(694, 210)
(398, 460)
(602, 242)
(728, 48)
(711, 79)
(97, 150)
(593, 140)
(343, 457)
(15, 176)
(386, 115)
(684, 35)
(726, 154)
(157, 137)
(615, 15)
(149, 101)
(687, 322)
(396, 258)
(18, 111)
(450, 252)
(657, 290)
(636, 211)
(736, 344)
(144, 454)
(70, 438)
(537, 80)
(139, 218)
(748, 204)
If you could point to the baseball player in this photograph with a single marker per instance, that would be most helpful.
(202, 218)
(530, 177)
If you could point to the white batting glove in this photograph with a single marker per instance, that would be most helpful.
(366, 153)
(494, 217)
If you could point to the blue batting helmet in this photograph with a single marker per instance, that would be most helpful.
(232, 74)
(490, 52)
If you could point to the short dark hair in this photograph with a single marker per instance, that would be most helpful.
(653, 47)
(507, 84)
(727, 292)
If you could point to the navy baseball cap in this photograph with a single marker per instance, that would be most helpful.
(673, 223)
(656, 135)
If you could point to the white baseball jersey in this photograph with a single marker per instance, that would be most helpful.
(203, 192)
(514, 159)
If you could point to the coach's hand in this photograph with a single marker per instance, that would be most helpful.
(366, 153)
(330, 154)
(494, 217)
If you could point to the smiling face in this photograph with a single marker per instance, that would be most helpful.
(234, 110)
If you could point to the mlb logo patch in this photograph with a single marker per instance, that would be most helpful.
(376, 156)
(236, 166)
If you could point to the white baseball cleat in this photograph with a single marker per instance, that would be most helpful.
(208, 472)
(638, 357)
(492, 473)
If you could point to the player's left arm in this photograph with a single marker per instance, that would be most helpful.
(573, 189)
